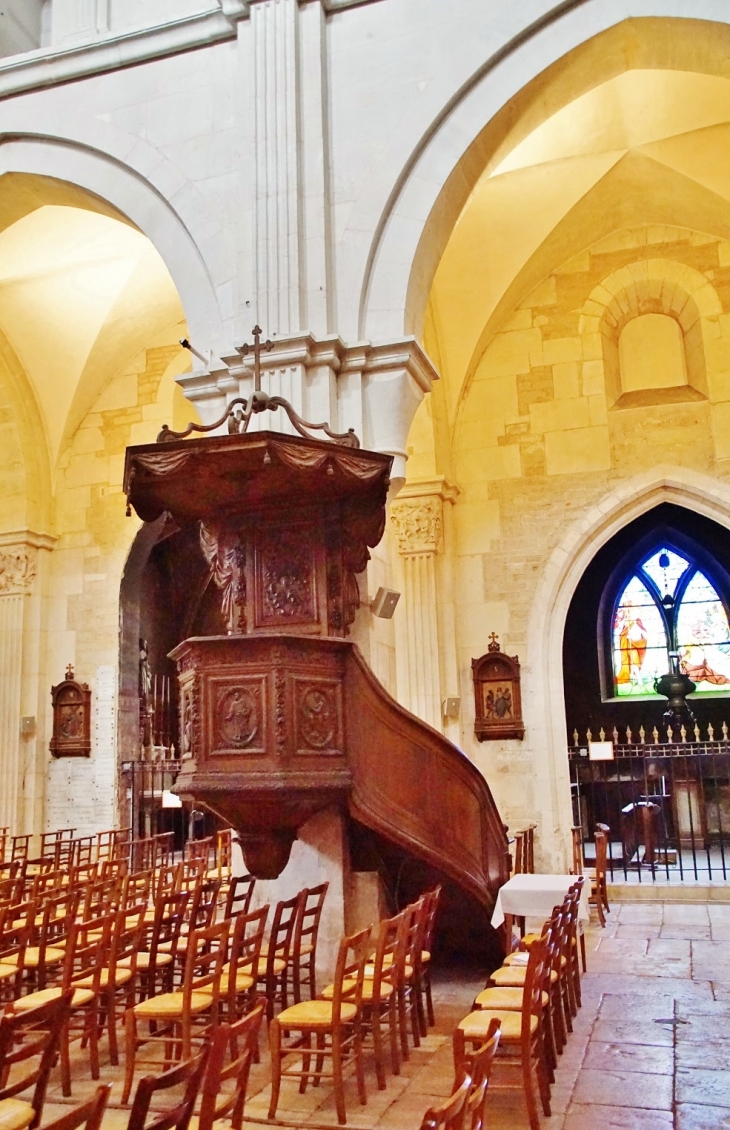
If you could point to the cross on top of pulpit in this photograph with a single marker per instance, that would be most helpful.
(257, 349)
(494, 642)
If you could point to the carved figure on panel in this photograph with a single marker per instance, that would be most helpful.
(497, 694)
(318, 717)
(71, 718)
(225, 556)
(238, 716)
(17, 569)
(417, 524)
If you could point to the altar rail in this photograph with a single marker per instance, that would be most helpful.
(667, 803)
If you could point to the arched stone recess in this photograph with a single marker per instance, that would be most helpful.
(652, 286)
(137, 198)
(543, 669)
(412, 208)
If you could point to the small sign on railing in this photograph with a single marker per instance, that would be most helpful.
(600, 751)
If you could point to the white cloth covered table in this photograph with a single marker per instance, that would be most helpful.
(534, 896)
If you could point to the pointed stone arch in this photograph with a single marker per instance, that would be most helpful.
(543, 672)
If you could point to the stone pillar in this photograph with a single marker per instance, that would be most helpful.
(417, 519)
(275, 27)
(20, 669)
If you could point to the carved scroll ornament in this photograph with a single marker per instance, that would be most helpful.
(226, 560)
(417, 524)
(17, 570)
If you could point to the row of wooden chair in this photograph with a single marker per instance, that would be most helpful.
(596, 875)
(376, 988)
(523, 851)
(466, 1108)
(217, 1076)
(535, 995)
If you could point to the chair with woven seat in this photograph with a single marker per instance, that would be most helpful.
(273, 976)
(88, 1114)
(521, 1032)
(238, 979)
(423, 974)
(187, 1014)
(156, 958)
(190, 1073)
(200, 913)
(46, 949)
(241, 1039)
(450, 1114)
(119, 976)
(86, 948)
(337, 1020)
(15, 934)
(596, 876)
(239, 895)
(478, 1066)
(380, 994)
(304, 944)
(29, 1036)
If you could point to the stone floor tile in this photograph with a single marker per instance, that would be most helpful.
(695, 1055)
(720, 931)
(624, 1088)
(637, 930)
(676, 948)
(581, 1117)
(686, 913)
(628, 1007)
(705, 1088)
(687, 931)
(612, 1031)
(690, 1117)
(616, 1057)
(644, 914)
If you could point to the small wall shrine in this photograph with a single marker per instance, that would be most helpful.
(497, 695)
(71, 717)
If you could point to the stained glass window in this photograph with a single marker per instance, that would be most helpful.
(669, 605)
(639, 641)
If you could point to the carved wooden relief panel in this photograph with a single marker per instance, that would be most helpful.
(71, 718)
(497, 695)
(237, 715)
(318, 715)
(285, 587)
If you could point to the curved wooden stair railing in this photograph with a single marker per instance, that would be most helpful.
(414, 788)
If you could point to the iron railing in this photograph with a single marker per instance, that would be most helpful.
(667, 804)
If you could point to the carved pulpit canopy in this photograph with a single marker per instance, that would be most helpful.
(71, 718)
(497, 694)
(285, 522)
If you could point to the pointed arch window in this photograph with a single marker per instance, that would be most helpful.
(669, 605)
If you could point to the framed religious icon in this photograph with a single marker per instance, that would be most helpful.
(71, 718)
(497, 694)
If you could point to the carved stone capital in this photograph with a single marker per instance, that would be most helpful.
(18, 567)
(417, 524)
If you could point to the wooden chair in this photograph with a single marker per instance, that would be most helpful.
(423, 981)
(242, 1040)
(304, 944)
(15, 934)
(34, 1036)
(200, 913)
(451, 1114)
(518, 858)
(576, 940)
(190, 1073)
(478, 1066)
(576, 833)
(19, 847)
(405, 977)
(88, 1114)
(46, 950)
(380, 995)
(239, 975)
(277, 951)
(239, 895)
(188, 1013)
(118, 981)
(598, 896)
(86, 948)
(156, 959)
(337, 1020)
(521, 1033)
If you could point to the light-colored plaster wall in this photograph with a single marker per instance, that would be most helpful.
(541, 440)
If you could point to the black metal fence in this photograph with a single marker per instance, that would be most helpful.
(667, 805)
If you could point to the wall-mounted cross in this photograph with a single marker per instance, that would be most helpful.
(257, 349)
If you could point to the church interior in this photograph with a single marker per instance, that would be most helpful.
(364, 564)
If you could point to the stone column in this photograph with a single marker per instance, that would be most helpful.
(275, 27)
(18, 567)
(417, 519)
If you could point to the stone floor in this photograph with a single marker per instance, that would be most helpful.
(650, 1050)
